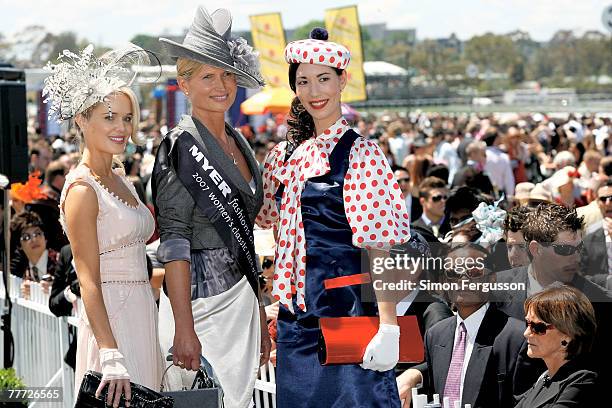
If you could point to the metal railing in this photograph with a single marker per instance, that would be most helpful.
(41, 341)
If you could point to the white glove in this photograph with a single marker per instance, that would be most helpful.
(382, 353)
(113, 365)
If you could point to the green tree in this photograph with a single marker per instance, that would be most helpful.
(517, 72)
(66, 40)
(434, 59)
(594, 55)
(491, 52)
(398, 54)
(152, 44)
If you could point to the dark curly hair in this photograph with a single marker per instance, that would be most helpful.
(21, 222)
(25, 220)
(515, 218)
(546, 221)
(300, 123)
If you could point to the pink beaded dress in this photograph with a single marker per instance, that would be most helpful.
(122, 233)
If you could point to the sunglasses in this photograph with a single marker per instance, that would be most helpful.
(605, 199)
(26, 237)
(564, 249)
(404, 180)
(474, 273)
(438, 198)
(538, 328)
(267, 263)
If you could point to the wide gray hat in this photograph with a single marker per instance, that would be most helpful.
(208, 41)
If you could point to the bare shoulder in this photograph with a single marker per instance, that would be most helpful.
(81, 200)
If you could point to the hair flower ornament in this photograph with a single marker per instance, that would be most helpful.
(489, 220)
(79, 81)
(244, 56)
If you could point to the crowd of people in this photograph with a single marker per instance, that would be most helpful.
(531, 194)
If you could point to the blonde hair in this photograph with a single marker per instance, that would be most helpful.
(134, 136)
(136, 139)
(185, 68)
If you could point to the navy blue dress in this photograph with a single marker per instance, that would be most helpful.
(301, 380)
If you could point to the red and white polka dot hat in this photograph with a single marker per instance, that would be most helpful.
(317, 50)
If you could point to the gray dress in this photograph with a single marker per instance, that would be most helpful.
(225, 308)
(185, 232)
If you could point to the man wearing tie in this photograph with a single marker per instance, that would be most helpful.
(479, 356)
(33, 261)
(432, 196)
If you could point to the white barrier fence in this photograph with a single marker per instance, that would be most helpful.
(41, 341)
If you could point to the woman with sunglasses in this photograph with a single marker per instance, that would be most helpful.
(560, 330)
(33, 261)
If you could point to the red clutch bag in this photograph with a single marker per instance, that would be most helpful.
(343, 340)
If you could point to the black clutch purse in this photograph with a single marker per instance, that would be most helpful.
(142, 397)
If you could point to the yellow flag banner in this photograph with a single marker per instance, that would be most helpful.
(269, 40)
(343, 27)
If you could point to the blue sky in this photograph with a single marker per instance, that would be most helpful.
(112, 22)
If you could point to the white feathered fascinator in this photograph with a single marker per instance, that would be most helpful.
(78, 82)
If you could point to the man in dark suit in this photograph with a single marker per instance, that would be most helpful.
(597, 258)
(479, 356)
(64, 294)
(432, 197)
(427, 307)
(65, 289)
(553, 234)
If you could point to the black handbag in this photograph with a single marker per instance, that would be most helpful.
(205, 390)
(142, 397)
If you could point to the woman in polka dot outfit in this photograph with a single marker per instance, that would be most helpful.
(330, 194)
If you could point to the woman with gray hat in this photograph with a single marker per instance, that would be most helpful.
(207, 190)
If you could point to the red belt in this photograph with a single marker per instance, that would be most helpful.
(349, 280)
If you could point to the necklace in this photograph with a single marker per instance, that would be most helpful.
(228, 148)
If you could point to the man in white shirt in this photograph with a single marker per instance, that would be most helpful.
(477, 357)
(498, 166)
(446, 154)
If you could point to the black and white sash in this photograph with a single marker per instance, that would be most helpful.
(220, 201)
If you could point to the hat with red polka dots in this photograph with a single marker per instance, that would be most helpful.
(317, 50)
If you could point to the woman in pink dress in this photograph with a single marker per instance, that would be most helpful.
(106, 224)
